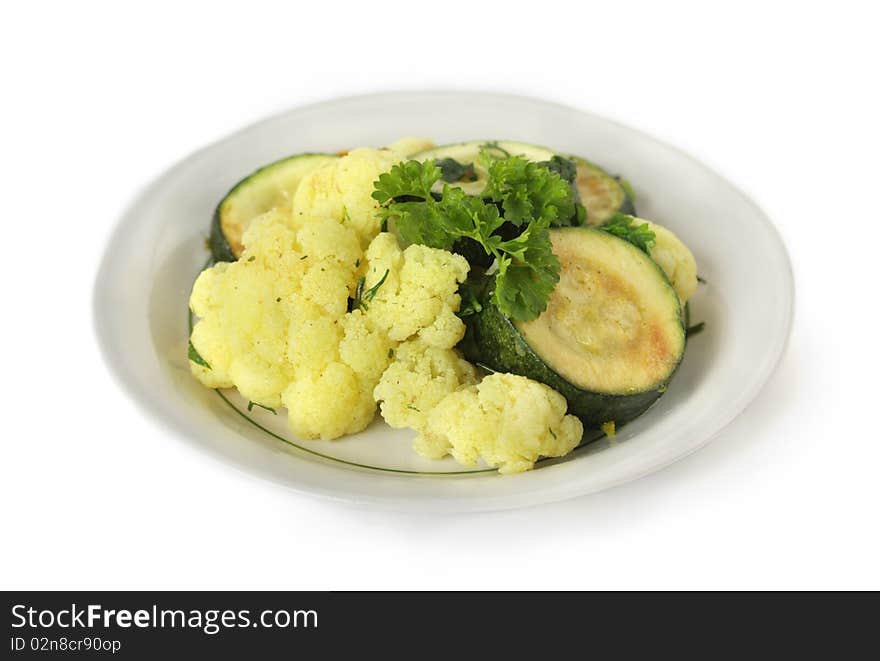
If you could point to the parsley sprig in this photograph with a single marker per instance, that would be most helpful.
(523, 193)
(530, 191)
(640, 235)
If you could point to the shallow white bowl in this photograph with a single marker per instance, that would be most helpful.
(158, 248)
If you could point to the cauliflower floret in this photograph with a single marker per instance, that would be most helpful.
(420, 377)
(420, 290)
(313, 339)
(328, 404)
(205, 335)
(416, 305)
(414, 296)
(337, 356)
(410, 145)
(242, 333)
(331, 253)
(327, 284)
(275, 323)
(327, 239)
(342, 190)
(382, 256)
(246, 307)
(272, 239)
(365, 347)
(508, 420)
(338, 363)
(445, 331)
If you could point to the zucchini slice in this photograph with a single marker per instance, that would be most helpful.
(610, 339)
(602, 194)
(254, 195)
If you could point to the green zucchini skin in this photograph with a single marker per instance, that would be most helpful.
(221, 251)
(492, 340)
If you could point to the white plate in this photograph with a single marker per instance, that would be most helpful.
(158, 248)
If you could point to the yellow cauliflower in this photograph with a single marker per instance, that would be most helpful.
(338, 357)
(365, 347)
(244, 314)
(326, 398)
(313, 338)
(338, 363)
(420, 292)
(247, 308)
(416, 305)
(420, 377)
(508, 420)
(329, 403)
(342, 190)
(326, 239)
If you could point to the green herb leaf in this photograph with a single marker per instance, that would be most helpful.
(623, 226)
(361, 297)
(566, 168)
(421, 222)
(370, 294)
(527, 275)
(196, 357)
(410, 178)
(529, 192)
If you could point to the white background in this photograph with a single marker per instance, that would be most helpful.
(99, 99)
